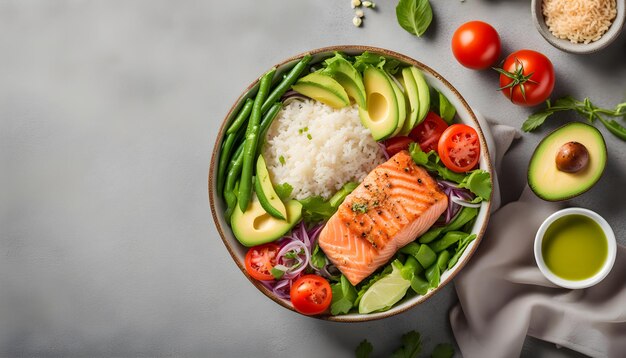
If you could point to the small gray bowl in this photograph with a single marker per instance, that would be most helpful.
(581, 48)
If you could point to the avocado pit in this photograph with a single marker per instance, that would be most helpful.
(572, 157)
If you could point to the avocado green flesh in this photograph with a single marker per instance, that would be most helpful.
(547, 181)
(423, 93)
(381, 115)
(349, 78)
(265, 191)
(410, 89)
(255, 226)
(401, 103)
(574, 247)
(324, 89)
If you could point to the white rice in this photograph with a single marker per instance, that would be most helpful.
(323, 148)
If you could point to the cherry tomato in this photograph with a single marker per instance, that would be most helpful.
(397, 144)
(311, 294)
(260, 260)
(459, 148)
(476, 45)
(528, 78)
(428, 132)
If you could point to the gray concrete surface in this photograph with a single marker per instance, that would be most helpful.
(108, 114)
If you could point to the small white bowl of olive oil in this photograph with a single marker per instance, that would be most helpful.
(575, 248)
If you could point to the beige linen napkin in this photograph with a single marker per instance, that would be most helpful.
(503, 296)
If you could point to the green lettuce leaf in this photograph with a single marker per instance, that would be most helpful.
(478, 182)
(344, 295)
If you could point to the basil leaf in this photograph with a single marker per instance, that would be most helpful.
(414, 15)
(446, 109)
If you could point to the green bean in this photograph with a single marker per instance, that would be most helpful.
(451, 237)
(411, 249)
(242, 117)
(251, 141)
(286, 83)
(433, 275)
(267, 121)
(426, 256)
(411, 268)
(230, 187)
(419, 285)
(430, 235)
(442, 260)
(224, 157)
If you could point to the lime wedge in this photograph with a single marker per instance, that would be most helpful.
(385, 292)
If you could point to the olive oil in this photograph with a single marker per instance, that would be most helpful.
(574, 247)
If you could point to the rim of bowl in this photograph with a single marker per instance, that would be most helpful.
(580, 48)
(213, 197)
(606, 267)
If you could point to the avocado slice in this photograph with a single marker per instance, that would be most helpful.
(381, 114)
(265, 191)
(552, 184)
(255, 226)
(401, 105)
(410, 89)
(423, 93)
(348, 77)
(322, 88)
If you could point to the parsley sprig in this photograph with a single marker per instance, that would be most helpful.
(586, 109)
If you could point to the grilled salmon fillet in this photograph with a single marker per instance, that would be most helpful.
(395, 203)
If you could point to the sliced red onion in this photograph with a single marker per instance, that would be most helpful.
(463, 202)
(384, 150)
(282, 288)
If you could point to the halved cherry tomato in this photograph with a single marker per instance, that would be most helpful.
(397, 144)
(459, 148)
(260, 260)
(311, 294)
(428, 132)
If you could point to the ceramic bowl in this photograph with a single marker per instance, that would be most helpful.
(435, 80)
(580, 48)
(608, 264)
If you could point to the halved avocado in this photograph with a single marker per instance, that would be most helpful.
(381, 114)
(401, 106)
(410, 89)
(265, 191)
(423, 93)
(255, 226)
(553, 184)
(322, 88)
(348, 77)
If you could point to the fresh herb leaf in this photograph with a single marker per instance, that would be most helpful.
(432, 163)
(281, 159)
(278, 274)
(291, 255)
(283, 190)
(318, 258)
(479, 183)
(344, 295)
(534, 121)
(414, 15)
(443, 350)
(316, 209)
(411, 346)
(446, 109)
(368, 59)
(359, 207)
(586, 109)
(309, 136)
(364, 349)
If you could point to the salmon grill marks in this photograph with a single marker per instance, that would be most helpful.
(395, 203)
